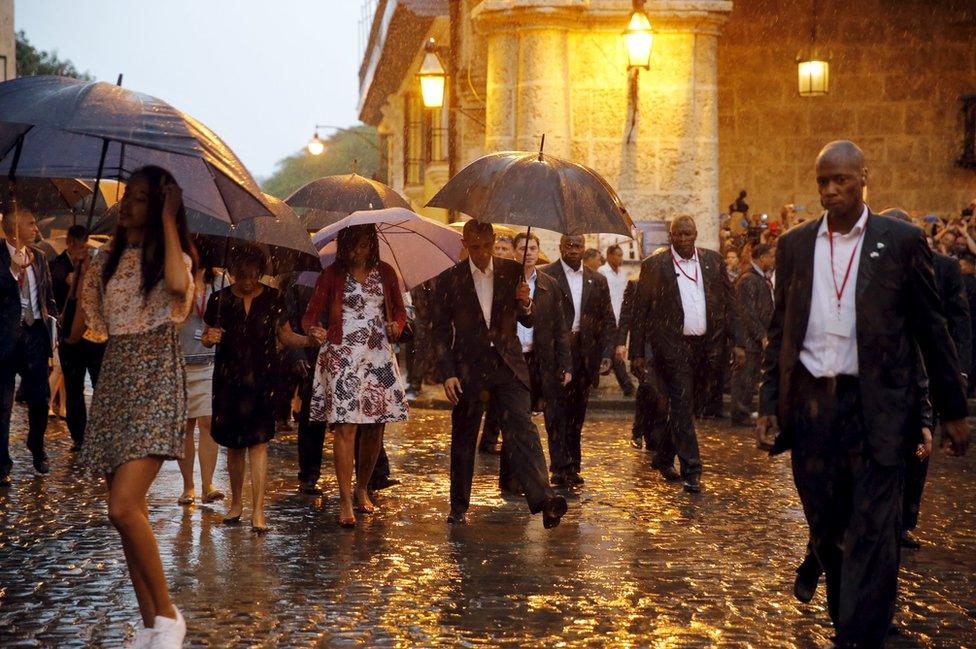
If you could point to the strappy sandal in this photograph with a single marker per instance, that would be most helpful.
(186, 500)
(213, 496)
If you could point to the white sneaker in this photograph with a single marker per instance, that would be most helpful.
(141, 639)
(167, 632)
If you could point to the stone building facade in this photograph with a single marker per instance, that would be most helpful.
(898, 70)
(8, 49)
(718, 110)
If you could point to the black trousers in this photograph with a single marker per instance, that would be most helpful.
(565, 414)
(682, 376)
(28, 359)
(745, 382)
(650, 411)
(311, 439)
(77, 359)
(623, 376)
(852, 506)
(915, 473)
(492, 429)
(520, 437)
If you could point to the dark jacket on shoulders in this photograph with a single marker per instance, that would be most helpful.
(898, 314)
(598, 325)
(658, 318)
(550, 338)
(463, 341)
(755, 308)
(955, 301)
(10, 311)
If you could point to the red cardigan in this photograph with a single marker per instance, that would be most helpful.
(328, 293)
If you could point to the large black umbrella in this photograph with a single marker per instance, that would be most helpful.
(283, 236)
(44, 195)
(535, 190)
(326, 200)
(65, 128)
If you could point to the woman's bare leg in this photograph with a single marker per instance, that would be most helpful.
(128, 511)
(208, 455)
(344, 450)
(189, 457)
(235, 467)
(370, 441)
(258, 457)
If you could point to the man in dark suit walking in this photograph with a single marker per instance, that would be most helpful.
(855, 302)
(651, 404)
(26, 302)
(754, 294)
(478, 303)
(683, 312)
(584, 300)
(545, 345)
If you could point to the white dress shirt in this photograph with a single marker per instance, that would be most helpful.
(31, 283)
(484, 286)
(617, 281)
(691, 286)
(575, 280)
(830, 345)
(526, 335)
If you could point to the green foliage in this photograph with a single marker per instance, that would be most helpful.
(32, 62)
(352, 150)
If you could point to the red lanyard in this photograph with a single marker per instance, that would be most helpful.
(682, 270)
(202, 304)
(839, 292)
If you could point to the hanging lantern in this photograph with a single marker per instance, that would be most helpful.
(315, 146)
(813, 76)
(432, 77)
(639, 38)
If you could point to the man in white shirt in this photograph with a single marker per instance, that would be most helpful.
(477, 305)
(855, 304)
(617, 279)
(26, 301)
(584, 299)
(684, 312)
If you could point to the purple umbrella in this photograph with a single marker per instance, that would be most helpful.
(416, 247)
(56, 127)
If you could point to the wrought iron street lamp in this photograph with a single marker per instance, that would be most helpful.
(639, 38)
(813, 69)
(316, 146)
(432, 77)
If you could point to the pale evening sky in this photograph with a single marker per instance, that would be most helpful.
(261, 74)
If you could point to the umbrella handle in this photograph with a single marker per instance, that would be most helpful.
(542, 145)
(12, 177)
(528, 233)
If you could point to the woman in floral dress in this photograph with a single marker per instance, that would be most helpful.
(138, 293)
(356, 313)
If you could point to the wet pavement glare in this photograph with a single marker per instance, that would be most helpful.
(635, 563)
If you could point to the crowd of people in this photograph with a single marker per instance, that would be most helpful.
(184, 359)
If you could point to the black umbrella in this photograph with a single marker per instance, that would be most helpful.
(536, 190)
(326, 200)
(282, 236)
(56, 127)
(44, 195)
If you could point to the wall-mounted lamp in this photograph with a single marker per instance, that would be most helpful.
(432, 77)
(639, 38)
(315, 146)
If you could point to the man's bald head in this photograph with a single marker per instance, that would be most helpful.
(897, 213)
(841, 177)
(683, 233)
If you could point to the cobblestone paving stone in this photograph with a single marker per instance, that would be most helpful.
(636, 562)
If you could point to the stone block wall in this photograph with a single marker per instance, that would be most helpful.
(898, 68)
(7, 42)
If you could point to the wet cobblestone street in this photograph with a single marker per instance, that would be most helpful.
(636, 562)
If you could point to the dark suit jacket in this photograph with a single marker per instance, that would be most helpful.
(955, 301)
(550, 337)
(658, 318)
(462, 340)
(598, 325)
(898, 313)
(61, 267)
(627, 312)
(755, 308)
(10, 313)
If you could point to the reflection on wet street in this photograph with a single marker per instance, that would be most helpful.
(636, 562)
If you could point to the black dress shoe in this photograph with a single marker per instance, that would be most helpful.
(805, 586)
(692, 484)
(553, 511)
(383, 483)
(636, 442)
(574, 479)
(41, 467)
(512, 488)
(310, 489)
(489, 449)
(669, 474)
(909, 541)
(559, 479)
(457, 518)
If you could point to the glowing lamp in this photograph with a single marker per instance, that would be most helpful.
(432, 77)
(813, 77)
(315, 146)
(639, 38)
